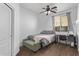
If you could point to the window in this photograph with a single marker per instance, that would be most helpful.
(61, 23)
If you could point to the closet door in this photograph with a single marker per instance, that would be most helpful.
(5, 30)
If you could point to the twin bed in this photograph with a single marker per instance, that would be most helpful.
(34, 42)
(46, 37)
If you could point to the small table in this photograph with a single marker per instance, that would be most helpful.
(68, 38)
(61, 35)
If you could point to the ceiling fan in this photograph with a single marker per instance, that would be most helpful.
(48, 9)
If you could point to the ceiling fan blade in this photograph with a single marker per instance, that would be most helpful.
(42, 12)
(54, 7)
(53, 11)
(43, 8)
(47, 13)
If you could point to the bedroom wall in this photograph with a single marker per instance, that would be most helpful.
(28, 23)
(45, 22)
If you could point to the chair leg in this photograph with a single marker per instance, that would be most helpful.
(66, 42)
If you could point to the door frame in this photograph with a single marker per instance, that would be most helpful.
(12, 26)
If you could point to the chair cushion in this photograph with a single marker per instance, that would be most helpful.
(32, 45)
(30, 42)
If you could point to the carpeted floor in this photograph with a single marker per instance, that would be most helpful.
(51, 50)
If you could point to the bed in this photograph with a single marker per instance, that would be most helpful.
(46, 37)
(37, 41)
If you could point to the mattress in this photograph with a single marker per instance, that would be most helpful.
(49, 37)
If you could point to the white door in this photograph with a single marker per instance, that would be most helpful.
(5, 30)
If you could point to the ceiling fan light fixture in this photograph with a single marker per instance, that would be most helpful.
(45, 12)
(49, 10)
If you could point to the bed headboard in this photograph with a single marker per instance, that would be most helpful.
(47, 32)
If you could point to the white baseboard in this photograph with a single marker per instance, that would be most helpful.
(78, 49)
(15, 52)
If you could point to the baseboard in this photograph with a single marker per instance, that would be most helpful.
(16, 52)
(78, 49)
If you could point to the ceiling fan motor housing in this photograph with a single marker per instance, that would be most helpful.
(47, 9)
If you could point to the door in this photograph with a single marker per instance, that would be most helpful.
(5, 30)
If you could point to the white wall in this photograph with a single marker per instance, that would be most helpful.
(45, 22)
(28, 23)
(16, 28)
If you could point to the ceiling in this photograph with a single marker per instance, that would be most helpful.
(37, 7)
